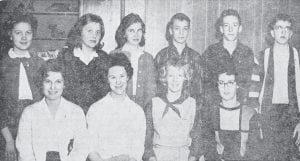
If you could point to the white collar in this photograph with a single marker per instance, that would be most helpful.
(84, 57)
(12, 54)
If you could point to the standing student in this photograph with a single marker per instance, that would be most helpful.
(177, 32)
(229, 50)
(85, 62)
(130, 37)
(52, 129)
(116, 124)
(17, 70)
(280, 92)
(170, 116)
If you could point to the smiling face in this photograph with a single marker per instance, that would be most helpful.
(134, 34)
(175, 78)
(230, 28)
(282, 32)
(179, 31)
(21, 36)
(117, 78)
(91, 34)
(53, 85)
(227, 86)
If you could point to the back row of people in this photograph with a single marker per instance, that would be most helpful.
(196, 106)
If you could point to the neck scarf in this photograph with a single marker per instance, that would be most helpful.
(169, 104)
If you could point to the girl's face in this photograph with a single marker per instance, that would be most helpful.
(134, 33)
(53, 85)
(117, 78)
(175, 78)
(21, 36)
(91, 34)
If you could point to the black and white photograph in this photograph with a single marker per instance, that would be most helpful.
(149, 80)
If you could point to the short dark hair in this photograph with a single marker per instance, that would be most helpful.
(226, 67)
(281, 17)
(52, 65)
(120, 59)
(220, 20)
(74, 36)
(125, 23)
(177, 16)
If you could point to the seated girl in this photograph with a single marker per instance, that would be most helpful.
(234, 124)
(116, 124)
(52, 129)
(170, 116)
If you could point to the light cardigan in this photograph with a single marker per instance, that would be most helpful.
(116, 128)
(34, 133)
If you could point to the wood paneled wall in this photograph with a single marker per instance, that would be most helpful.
(256, 14)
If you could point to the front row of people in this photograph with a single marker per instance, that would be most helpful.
(117, 128)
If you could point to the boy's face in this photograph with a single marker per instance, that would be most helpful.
(282, 32)
(230, 28)
(175, 78)
(227, 86)
(180, 31)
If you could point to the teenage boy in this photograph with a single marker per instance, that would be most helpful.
(177, 32)
(280, 92)
(229, 50)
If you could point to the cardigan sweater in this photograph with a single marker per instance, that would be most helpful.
(146, 85)
(84, 84)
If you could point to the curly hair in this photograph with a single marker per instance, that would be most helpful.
(178, 63)
(52, 65)
(220, 20)
(74, 36)
(19, 17)
(120, 59)
(126, 22)
(177, 16)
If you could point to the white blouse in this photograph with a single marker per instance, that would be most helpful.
(116, 128)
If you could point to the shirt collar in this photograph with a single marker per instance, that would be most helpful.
(61, 109)
(84, 57)
(14, 55)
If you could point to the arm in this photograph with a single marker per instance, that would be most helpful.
(80, 147)
(24, 137)
(149, 152)
(150, 90)
(138, 135)
(10, 151)
(92, 135)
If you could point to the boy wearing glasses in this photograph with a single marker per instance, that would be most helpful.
(234, 124)
(280, 92)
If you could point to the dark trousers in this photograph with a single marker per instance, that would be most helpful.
(278, 125)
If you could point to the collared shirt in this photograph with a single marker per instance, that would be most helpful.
(116, 128)
(84, 57)
(188, 55)
(39, 132)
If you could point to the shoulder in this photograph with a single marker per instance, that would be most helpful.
(33, 108)
(247, 112)
(162, 52)
(100, 105)
(212, 50)
(72, 106)
(146, 56)
(194, 52)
